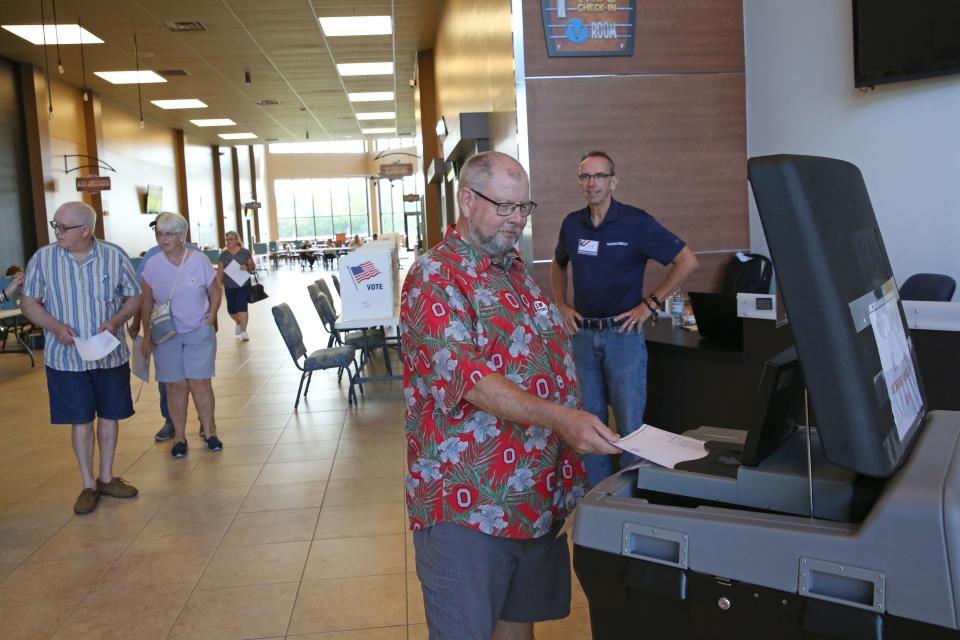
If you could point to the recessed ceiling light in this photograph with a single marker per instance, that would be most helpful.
(214, 122)
(237, 136)
(365, 69)
(130, 77)
(62, 33)
(377, 115)
(378, 130)
(357, 26)
(371, 96)
(188, 103)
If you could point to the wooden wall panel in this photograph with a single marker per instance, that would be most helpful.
(672, 36)
(679, 145)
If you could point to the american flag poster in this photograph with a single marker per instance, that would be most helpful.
(364, 271)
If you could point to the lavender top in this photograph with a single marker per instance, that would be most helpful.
(190, 302)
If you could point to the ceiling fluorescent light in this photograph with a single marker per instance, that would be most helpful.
(365, 69)
(130, 77)
(357, 26)
(214, 122)
(189, 103)
(237, 136)
(60, 33)
(378, 130)
(371, 96)
(377, 115)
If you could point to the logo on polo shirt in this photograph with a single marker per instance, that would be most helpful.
(588, 247)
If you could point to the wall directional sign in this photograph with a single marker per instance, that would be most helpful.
(602, 28)
(93, 183)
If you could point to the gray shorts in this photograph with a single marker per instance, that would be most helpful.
(187, 356)
(471, 579)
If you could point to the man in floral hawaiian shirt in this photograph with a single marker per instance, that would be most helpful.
(493, 426)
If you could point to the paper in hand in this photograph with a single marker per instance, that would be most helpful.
(662, 447)
(237, 273)
(139, 366)
(98, 347)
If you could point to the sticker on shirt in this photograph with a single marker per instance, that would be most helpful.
(588, 247)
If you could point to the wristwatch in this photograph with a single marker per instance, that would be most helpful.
(653, 308)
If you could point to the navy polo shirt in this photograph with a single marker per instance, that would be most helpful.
(609, 260)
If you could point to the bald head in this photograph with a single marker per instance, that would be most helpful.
(76, 213)
(480, 170)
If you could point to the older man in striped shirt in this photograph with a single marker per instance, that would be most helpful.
(76, 289)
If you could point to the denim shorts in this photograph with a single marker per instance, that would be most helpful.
(77, 397)
(470, 580)
(187, 356)
(237, 298)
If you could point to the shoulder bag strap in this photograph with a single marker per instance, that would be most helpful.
(186, 254)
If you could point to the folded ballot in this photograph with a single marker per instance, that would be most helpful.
(662, 447)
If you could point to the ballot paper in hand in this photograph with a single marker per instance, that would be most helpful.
(139, 366)
(662, 447)
(97, 347)
(237, 273)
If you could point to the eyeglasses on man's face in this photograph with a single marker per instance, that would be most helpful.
(60, 228)
(598, 177)
(507, 209)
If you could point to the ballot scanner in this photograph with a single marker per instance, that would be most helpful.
(836, 512)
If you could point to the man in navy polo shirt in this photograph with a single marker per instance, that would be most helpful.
(608, 243)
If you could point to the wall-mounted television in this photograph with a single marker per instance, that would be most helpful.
(897, 40)
(154, 199)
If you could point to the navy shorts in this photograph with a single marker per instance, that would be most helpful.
(237, 299)
(470, 580)
(77, 397)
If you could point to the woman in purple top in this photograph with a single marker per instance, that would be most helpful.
(184, 362)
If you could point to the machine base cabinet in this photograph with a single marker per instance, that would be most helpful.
(632, 598)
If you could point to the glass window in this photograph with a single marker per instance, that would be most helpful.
(321, 207)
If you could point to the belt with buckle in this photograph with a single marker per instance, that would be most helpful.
(598, 324)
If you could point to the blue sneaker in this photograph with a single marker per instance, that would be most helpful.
(214, 444)
(179, 449)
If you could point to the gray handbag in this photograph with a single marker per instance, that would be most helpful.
(161, 320)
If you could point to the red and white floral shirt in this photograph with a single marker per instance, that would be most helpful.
(463, 316)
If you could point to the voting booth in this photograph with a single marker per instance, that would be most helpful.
(369, 287)
(836, 512)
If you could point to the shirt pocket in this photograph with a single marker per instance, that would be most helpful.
(104, 288)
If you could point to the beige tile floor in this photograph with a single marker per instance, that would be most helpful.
(295, 530)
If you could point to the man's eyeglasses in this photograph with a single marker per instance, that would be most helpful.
(599, 177)
(59, 228)
(506, 209)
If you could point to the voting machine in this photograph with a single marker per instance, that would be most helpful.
(836, 512)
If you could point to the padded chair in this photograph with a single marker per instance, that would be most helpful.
(340, 357)
(336, 284)
(325, 290)
(928, 287)
(374, 338)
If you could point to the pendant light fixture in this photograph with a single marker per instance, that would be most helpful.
(136, 55)
(46, 62)
(83, 64)
(56, 36)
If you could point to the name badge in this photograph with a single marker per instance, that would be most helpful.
(588, 247)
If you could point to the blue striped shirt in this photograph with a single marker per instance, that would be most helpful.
(81, 295)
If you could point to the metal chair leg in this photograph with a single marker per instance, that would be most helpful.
(299, 389)
(386, 359)
(309, 380)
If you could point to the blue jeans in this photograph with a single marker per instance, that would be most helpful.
(611, 369)
(164, 411)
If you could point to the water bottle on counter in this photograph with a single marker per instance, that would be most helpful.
(676, 308)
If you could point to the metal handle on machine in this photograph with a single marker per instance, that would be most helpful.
(654, 544)
(843, 584)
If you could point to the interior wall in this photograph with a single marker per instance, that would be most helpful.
(18, 239)
(474, 72)
(141, 157)
(226, 185)
(200, 193)
(904, 137)
(66, 136)
(671, 116)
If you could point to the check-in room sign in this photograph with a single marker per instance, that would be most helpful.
(589, 28)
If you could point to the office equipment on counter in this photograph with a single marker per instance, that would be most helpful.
(836, 515)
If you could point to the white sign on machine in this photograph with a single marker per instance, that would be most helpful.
(368, 278)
